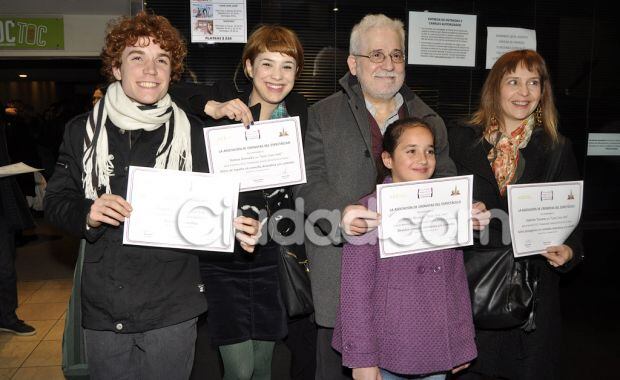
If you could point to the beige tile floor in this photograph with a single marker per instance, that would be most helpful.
(41, 304)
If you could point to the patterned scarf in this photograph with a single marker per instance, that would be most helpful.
(174, 151)
(279, 112)
(504, 157)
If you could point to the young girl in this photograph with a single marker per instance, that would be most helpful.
(405, 316)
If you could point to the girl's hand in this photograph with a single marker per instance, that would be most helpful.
(480, 216)
(460, 368)
(248, 232)
(558, 255)
(358, 220)
(233, 109)
(368, 373)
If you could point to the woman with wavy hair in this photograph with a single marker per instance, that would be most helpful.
(510, 139)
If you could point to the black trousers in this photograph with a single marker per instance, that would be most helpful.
(8, 278)
(329, 361)
(301, 342)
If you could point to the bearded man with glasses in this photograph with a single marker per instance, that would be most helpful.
(343, 143)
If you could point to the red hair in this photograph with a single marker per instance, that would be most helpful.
(276, 39)
(128, 31)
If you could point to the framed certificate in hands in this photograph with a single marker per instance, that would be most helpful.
(267, 154)
(427, 215)
(179, 209)
(542, 214)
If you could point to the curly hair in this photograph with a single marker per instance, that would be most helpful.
(127, 31)
(276, 39)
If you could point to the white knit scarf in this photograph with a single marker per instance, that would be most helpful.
(130, 116)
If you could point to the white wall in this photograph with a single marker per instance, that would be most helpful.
(84, 23)
(54, 7)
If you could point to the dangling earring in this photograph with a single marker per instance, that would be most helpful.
(538, 116)
(493, 121)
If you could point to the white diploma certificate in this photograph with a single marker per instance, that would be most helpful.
(424, 215)
(542, 214)
(179, 209)
(15, 169)
(268, 154)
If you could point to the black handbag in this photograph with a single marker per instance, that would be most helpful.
(503, 290)
(295, 281)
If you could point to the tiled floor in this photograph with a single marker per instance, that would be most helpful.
(45, 277)
(45, 270)
(41, 304)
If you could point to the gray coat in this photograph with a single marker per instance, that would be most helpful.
(340, 171)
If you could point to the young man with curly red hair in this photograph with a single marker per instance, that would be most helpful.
(139, 304)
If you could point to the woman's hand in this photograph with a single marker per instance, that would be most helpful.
(460, 368)
(248, 232)
(358, 220)
(109, 209)
(233, 109)
(368, 373)
(480, 216)
(558, 255)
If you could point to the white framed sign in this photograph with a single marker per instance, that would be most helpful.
(503, 40)
(442, 39)
(218, 21)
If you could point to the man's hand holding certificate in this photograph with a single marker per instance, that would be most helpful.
(425, 215)
(180, 209)
(267, 154)
(543, 215)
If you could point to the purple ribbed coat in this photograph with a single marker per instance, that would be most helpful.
(408, 314)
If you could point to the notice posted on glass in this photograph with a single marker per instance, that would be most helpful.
(218, 21)
(443, 39)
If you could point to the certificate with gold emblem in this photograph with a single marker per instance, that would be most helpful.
(427, 215)
(267, 154)
(542, 214)
(178, 209)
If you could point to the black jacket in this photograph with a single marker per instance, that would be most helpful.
(513, 353)
(13, 206)
(243, 289)
(193, 99)
(469, 152)
(126, 289)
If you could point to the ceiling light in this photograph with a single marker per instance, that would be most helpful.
(23, 75)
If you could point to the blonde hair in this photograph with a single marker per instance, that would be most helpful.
(490, 97)
(374, 21)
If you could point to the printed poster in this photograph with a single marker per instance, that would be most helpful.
(442, 39)
(503, 40)
(218, 21)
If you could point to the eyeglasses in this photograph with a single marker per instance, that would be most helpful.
(378, 56)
